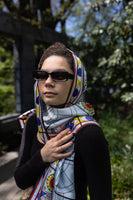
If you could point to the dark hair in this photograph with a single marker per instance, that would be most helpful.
(58, 49)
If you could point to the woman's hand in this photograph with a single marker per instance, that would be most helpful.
(53, 149)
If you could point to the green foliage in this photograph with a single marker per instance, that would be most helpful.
(119, 134)
(7, 92)
(40, 13)
(127, 97)
(107, 32)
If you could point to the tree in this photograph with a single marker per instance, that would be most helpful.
(105, 31)
(104, 37)
(44, 13)
(39, 13)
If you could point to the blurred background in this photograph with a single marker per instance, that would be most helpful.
(101, 33)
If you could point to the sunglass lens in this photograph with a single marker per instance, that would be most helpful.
(59, 76)
(41, 75)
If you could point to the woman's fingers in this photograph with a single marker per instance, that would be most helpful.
(64, 147)
(64, 155)
(62, 134)
(54, 148)
(65, 139)
(62, 137)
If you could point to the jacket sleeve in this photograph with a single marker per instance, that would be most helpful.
(29, 165)
(92, 164)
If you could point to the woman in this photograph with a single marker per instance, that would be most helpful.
(63, 150)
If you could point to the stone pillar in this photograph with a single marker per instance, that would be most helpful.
(24, 64)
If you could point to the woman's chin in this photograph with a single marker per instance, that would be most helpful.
(53, 104)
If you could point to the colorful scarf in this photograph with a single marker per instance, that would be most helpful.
(57, 181)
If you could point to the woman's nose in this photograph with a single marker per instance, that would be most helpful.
(49, 80)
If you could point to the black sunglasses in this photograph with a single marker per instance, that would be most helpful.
(56, 76)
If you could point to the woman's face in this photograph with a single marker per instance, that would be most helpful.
(55, 93)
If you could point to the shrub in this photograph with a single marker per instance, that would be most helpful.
(7, 89)
(119, 134)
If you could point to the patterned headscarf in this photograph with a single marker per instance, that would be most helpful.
(57, 181)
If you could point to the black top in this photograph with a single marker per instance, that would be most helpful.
(91, 162)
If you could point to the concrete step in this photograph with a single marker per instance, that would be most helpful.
(8, 188)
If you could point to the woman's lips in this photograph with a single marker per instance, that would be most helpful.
(49, 94)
